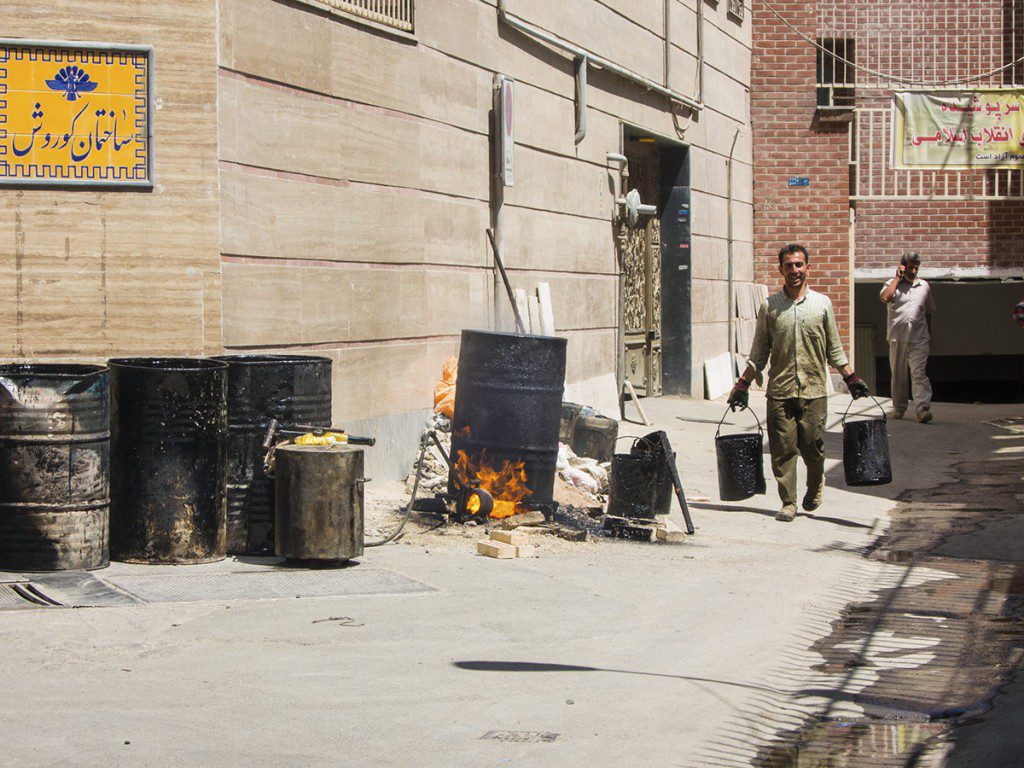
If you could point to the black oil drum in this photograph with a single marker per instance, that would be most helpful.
(866, 458)
(168, 449)
(740, 463)
(54, 467)
(294, 389)
(508, 405)
(633, 485)
(319, 507)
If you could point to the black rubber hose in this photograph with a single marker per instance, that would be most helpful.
(408, 507)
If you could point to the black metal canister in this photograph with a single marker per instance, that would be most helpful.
(319, 507)
(294, 389)
(168, 440)
(54, 467)
(508, 404)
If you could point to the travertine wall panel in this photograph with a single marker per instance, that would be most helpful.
(281, 304)
(541, 240)
(297, 218)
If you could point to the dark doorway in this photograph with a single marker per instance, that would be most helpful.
(659, 171)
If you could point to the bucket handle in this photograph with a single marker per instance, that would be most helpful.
(847, 413)
(760, 430)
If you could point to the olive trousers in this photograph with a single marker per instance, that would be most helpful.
(795, 426)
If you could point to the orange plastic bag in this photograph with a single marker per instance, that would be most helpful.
(444, 390)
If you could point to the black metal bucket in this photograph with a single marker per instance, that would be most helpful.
(740, 463)
(54, 467)
(294, 389)
(168, 476)
(633, 485)
(866, 459)
(508, 405)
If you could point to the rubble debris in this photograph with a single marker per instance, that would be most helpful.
(523, 518)
(668, 532)
(527, 550)
(622, 528)
(588, 475)
(434, 478)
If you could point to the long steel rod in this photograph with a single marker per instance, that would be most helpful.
(508, 287)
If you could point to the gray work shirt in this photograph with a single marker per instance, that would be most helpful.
(908, 309)
(798, 337)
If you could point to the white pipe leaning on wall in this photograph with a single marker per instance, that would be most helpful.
(600, 62)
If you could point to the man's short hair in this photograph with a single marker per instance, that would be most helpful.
(789, 250)
(910, 258)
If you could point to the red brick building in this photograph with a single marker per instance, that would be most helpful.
(824, 74)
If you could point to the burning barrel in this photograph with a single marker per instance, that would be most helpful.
(294, 389)
(54, 467)
(167, 482)
(508, 406)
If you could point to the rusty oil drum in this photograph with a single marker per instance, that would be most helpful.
(294, 389)
(508, 404)
(54, 467)
(168, 451)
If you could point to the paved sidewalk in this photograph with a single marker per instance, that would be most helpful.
(604, 655)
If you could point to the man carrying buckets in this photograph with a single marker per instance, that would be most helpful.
(796, 331)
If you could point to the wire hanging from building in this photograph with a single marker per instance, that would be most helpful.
(885, 75)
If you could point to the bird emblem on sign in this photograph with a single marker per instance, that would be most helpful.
(72, 81)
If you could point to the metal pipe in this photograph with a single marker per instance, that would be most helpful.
(668, 45)
(729, 220)
(581, 99)
(497, 205)
(598, 61)
(700, 51)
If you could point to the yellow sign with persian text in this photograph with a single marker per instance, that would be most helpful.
(958, 130)
(74, 115)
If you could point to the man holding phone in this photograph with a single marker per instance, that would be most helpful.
(911, 307)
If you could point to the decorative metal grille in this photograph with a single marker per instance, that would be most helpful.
(390, 13)
(874, 47)
(736, 8)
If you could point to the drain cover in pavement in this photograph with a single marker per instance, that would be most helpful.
(265, 585)
(521, 737)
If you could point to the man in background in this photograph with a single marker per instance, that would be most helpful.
(911, 306)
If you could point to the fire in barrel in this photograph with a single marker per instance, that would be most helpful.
(507, 413)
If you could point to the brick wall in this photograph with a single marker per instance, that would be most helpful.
(953, 234)
(789, 142)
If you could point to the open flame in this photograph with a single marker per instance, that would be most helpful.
(507, 483)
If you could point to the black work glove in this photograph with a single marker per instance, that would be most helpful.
(740, 397)
(856, 385)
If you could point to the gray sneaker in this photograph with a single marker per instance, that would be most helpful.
(924, 416)
(787, 513)
(897, 413)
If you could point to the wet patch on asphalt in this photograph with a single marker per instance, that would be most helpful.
(903, 671)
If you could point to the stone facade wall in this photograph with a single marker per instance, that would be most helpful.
(355, 181)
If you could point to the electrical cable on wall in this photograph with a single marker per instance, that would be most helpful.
(888, 76)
